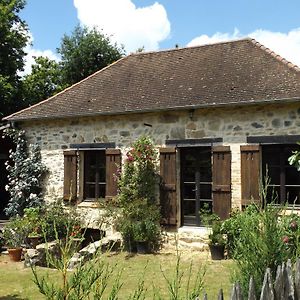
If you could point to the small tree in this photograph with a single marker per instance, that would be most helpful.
(25, 174)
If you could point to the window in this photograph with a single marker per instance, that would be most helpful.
(94, 174)
(284, 178)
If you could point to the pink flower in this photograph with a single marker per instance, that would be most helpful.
(293, 225)
(285, 239)
(129, 158)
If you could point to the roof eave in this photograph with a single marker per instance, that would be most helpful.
(175, 108)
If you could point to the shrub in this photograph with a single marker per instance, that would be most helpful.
(291, 235)
(139, 222)
(258, 244)
(15, 232)
(60, 222)
(140, 215)
(25, 175)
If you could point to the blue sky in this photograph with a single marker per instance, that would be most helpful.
(162, 24)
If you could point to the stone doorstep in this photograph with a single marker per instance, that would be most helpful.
(187, 238)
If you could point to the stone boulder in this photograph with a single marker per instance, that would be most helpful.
(38, 256)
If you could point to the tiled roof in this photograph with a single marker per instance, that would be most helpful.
(235, 72)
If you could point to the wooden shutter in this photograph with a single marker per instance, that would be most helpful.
(250, 173)
(70, 175)
(221, 176)
(113, 162)
(168, 195)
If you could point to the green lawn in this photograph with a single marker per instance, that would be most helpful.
(16, 281)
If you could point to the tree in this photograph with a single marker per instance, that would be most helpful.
(85, 52)
(44, 81)
(13, 39)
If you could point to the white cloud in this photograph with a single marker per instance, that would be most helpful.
(32, 53)
(286, 45)
(129, 25)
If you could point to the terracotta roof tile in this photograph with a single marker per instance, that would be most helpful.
(236, 72)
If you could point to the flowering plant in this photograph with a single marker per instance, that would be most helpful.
(291, 235)
(15, 233)
(138, 182)
(25, 174)
(139, 178)
(76, 232)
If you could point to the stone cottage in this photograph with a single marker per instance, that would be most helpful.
(221, 115)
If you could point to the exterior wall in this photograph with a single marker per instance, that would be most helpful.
(232, 124)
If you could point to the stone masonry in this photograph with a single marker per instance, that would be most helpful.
(232, 124)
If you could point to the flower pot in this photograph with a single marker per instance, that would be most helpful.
(217, 251)
(142, 247)
(15, 254)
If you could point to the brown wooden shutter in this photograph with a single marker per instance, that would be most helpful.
(250, 173)
(168, 195)
(70, 175)
(221, 176)
(113, 162)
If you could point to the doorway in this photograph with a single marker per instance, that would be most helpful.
(196, 184)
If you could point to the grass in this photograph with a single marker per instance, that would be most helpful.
(16, 281)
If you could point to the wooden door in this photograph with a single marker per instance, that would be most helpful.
(168, 191)
(221, 177)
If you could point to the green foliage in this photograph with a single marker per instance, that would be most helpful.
(59, 222)
(140, 215)
(16, 232)
(176, 289)
(139, 222)
(139, 176)
(89, 281)
(291, 237)
(85, 52)
(207, 216)
(216, 237)
(13, 39)
(259, 244)
(44, 81)
(26, 173)
(294, 159)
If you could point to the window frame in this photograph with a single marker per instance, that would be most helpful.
(283, 167)
(101, 159)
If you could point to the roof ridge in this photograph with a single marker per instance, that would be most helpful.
(191, 47)
(275, 55)
(64, 90)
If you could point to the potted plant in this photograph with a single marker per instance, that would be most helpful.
(139, 226)
(14, 235)
(207, 216)
(217, 241)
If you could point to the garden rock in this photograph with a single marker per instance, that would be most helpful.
(37, 257)
(111, 243)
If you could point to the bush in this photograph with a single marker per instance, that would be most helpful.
(140, 215)
(291, 235)
(26, 173)
(15, 232)
(258, 244)
(139, 222)
(59, 222)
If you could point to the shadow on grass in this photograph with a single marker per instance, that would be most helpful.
(12, 297)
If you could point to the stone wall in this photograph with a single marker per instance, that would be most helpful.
(232, 124)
